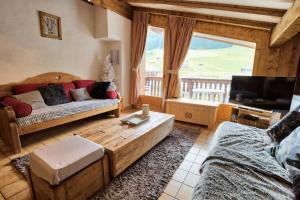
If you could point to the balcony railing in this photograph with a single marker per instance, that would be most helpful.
(213, 90)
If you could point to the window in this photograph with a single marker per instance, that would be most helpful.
(209, 65)
(153, 61)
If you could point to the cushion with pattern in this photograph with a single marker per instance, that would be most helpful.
(284, 127)
(288, 151)
(287, 154)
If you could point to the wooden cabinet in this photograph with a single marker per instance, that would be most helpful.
(247, 115)
(193, 111)
(254, 117)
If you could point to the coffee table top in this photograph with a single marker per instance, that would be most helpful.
(113, 135)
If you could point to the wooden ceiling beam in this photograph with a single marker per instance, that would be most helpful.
(216, 6)
(120, 7)
(214, 19)
(288, 27)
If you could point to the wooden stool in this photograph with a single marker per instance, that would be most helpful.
(74, 168)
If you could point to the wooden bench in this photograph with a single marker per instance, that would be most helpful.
(10, 132)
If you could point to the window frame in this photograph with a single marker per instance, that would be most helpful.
(143, 69)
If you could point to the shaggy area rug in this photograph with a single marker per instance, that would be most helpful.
(148, 176)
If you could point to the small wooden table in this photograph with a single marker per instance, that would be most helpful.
(125, 144)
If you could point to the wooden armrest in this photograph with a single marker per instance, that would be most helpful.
(9, 130)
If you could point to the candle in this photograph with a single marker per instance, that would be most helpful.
(146, 110)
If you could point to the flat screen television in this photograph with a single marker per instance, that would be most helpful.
(271, 93)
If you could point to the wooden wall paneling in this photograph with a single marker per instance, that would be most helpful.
(230, 31)
(286, 59)
(212, 19)
(280, 61)
(257, 58)
(297, 86)
(262, 50)
(295, 55)
(160, 21)
(270, 63)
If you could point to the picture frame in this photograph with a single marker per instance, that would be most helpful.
(50, 25)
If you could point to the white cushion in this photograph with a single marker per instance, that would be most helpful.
(33, 98)
(56, 162)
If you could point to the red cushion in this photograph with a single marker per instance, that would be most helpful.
(20, 89)
(88, 84)
(111, 94)
(21, 109)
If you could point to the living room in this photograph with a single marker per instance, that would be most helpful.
(144, 99)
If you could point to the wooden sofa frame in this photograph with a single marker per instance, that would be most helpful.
(10, 132)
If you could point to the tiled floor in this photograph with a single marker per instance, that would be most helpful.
(187, 175)
(13, 185)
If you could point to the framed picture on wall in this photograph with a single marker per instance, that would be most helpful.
(50, 25)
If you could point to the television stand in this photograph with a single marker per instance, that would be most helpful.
(253, 116)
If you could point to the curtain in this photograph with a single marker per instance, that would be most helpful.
(177, 41)
(139, 34)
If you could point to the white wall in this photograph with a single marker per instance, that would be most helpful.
(119, 28)
(24, 53)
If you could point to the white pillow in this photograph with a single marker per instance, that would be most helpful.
(33, 98)
(81, 94)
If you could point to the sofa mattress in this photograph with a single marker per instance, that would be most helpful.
(55, 112)
(239, 167)
(75, 153)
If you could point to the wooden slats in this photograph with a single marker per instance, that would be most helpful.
(13, 188)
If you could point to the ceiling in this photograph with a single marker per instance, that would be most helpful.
(266, 11)
(276, 4)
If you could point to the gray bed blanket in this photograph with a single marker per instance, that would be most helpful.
(239, 167)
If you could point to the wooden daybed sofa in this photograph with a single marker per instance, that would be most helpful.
(10, 131)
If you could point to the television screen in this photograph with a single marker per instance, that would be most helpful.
(271, 93)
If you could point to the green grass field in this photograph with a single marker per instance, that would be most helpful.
(219, 63)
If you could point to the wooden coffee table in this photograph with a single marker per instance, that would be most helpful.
(125, 144)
